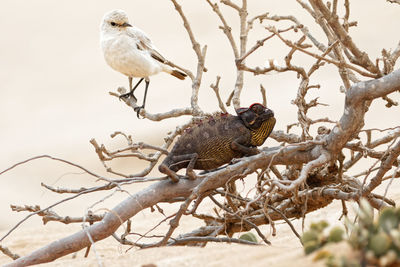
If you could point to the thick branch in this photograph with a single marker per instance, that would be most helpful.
(162, 192)
(353, 117)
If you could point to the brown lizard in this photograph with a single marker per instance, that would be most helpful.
(218, 139)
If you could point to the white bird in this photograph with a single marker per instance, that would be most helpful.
(129, 51)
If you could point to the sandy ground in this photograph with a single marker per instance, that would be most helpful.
(111, 253)
(285, 250)
(54, 98)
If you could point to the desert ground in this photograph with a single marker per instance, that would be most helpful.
(54, 98)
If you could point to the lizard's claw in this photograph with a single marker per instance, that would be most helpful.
(235, 160)
(191, 174)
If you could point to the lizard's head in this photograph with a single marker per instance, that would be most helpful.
(260, 120)
(254, 116)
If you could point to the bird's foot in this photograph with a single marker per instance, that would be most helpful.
(138, 109)
(128, 95)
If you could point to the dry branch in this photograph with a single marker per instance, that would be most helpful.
(304, 173)
(8, 252)
(164, 191)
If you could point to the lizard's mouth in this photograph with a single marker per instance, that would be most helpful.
(268, 113)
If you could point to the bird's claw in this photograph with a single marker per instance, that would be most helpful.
(127, 96)
(124, 96)
(138, 109)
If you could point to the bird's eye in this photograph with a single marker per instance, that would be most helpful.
(113, 23)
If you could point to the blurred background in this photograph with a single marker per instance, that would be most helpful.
(54, 85)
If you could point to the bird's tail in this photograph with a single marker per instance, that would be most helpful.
(178, 74)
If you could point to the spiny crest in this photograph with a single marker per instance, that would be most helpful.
(209, 119)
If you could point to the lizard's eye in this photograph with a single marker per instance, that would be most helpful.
(113, 23)
(252, 122)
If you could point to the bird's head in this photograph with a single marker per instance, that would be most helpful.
(115, 20)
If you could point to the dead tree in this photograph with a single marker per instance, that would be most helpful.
(305, 172)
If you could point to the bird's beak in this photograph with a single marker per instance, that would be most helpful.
(126, 25)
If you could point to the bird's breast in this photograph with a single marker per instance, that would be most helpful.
(123, 55)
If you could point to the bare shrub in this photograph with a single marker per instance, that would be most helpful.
(305, 172)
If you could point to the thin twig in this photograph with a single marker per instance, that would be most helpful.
(8, 252)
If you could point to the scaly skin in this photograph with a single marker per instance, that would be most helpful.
(218, 140)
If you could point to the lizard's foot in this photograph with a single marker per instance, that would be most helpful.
(235, 160)
(191, 174)
(170, 173)
(174, 178)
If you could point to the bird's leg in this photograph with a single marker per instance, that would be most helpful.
(132, 90)
(145, 92)
(144, 99)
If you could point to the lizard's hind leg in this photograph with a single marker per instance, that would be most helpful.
(189, 169)
(181, 161)
(171, 174)
(191, 159)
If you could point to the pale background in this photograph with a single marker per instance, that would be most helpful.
(54, 85)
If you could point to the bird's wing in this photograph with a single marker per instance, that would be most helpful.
(144, 43)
